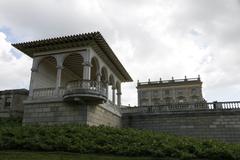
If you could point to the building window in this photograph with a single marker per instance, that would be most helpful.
(155, 93)
(195, 98)
(144, 94)
(155, 101)
(181, 99)
(168, 100)
(179, 92)
(7, 103)
(194, 90)
(167, 92)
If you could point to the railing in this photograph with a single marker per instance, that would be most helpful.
(183, 107)
(43, 92)
(169, 81)
(61, 91)
(95, 86)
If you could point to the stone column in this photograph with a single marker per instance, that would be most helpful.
(86, 75)
(113, 95)
(31, 87)
(86, 70)
(98, 76)
(106, 83)
(119, 98)
(60, 59)
(98, 84)
(58, 79)
(36, 61)
(119, 93)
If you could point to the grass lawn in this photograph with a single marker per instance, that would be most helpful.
(17, 155)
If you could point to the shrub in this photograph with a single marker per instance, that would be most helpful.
(107, 140)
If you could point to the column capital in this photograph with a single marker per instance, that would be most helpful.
(87, 63)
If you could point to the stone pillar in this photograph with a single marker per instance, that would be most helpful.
(98, 76)
(119, 93)
(86, 65)
(31, 87)
(106, 89)
(60, 59)
(36, 61)
(113, 95)
(86, 70)
(58, 79)
(119, 98)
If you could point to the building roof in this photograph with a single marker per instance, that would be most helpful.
(167, 83)
(14, 91)
(79, 40)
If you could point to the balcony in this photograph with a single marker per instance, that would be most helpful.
(85, 91)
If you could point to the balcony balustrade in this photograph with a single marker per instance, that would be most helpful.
(86, 91)
(41, 93)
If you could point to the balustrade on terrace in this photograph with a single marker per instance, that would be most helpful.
(234, 105)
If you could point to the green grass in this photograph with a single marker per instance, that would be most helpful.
(14, 155)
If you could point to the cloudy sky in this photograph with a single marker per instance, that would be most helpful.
(152, 39)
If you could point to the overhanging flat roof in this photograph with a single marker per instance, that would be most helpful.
(78, 40)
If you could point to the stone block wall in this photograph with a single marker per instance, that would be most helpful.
(59, 112)
(216, 124)
(101, 115)
(11, 103)
(55, 112)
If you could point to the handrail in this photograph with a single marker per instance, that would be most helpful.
(234, 105)
(169, 81)
(43, 92)
(87, 85)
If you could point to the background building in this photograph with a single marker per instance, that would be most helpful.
(169, 91)
(11, 102)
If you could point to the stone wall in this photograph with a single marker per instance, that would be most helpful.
(217, 124)
(103, 115)
(53, 112)
(11, 103)
(58, 112)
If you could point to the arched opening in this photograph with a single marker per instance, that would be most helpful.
(72, 68)
(94, 69)
(46, 75)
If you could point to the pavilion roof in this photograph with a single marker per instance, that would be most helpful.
(78, 40)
